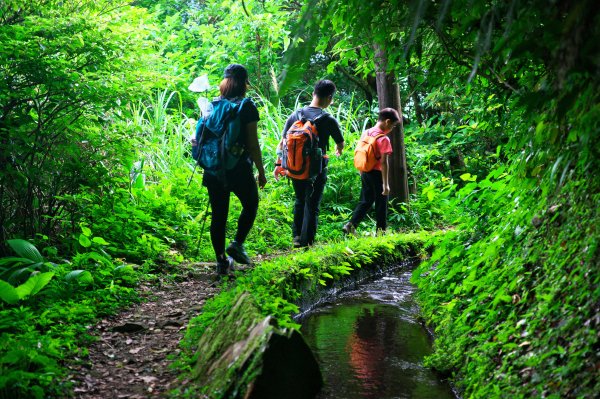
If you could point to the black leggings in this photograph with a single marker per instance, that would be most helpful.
(241, 182)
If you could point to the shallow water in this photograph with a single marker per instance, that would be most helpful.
(370, 345)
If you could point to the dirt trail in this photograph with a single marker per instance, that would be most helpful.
(131, 357)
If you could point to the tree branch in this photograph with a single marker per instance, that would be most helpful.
(360, 83)
(450, 51)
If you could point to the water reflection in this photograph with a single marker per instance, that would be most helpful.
(370, 345)
(366, 346)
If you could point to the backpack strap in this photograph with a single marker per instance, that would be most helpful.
(377, 137)
(322, 114)
(301, 117)
(243, 102)
(239, 107)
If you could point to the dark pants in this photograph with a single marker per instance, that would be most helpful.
(372, 187)
(306, 208)
(241, 182)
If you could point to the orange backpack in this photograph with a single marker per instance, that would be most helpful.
(364, 154)
(302, 158)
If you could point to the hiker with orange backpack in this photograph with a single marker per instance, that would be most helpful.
(371, 159)
(302, 158)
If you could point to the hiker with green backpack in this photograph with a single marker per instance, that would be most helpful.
(371, 159)
(302, 158)
(226, 146)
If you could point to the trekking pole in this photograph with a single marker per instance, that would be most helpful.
(204, 217)
(200, 85)
(192, 176)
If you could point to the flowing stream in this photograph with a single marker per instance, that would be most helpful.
(370, 344)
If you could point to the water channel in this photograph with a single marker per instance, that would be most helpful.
(370, 344)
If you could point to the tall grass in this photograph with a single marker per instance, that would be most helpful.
(164, 133)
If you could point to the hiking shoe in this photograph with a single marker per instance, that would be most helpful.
(225, 266)
(296, 243)
(238, 253)
(349, 229)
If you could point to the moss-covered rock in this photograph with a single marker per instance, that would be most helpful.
(243, 355)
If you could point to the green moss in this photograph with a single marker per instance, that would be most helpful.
(516, 314)
(228, 362)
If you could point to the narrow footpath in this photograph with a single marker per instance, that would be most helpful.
(134, 349)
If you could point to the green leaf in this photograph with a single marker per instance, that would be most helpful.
(8, 293)
(123, 269)
(139, 181)
(25, 249)
(16, 274)
(286, 43)
(34, 284)
(84, 241)
(100, 240)
(10, 260)
(430, 195)
(468, 177)
(86, 231)
(82, 276)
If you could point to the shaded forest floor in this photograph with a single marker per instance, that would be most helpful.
(134, 349)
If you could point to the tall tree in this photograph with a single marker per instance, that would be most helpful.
(388, 93)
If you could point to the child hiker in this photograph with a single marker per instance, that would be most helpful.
(371, 159)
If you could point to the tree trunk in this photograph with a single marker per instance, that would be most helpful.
(388, 92)
(412, 84)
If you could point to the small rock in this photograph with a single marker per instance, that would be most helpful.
(129, 328)
(148, 379)
(536, 222)
(169, 323)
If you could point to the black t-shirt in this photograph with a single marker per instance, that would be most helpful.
(327, 125)
(249, 112)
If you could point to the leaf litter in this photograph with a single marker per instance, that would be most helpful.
(133, 351)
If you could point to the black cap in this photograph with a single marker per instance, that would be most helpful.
(236, 71)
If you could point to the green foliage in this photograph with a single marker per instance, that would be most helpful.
(29, 260)
(27, 270)
(511, 291)
(44, 321)
(30, 287)
(510, 148)
(65, 70)
(502, 98)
